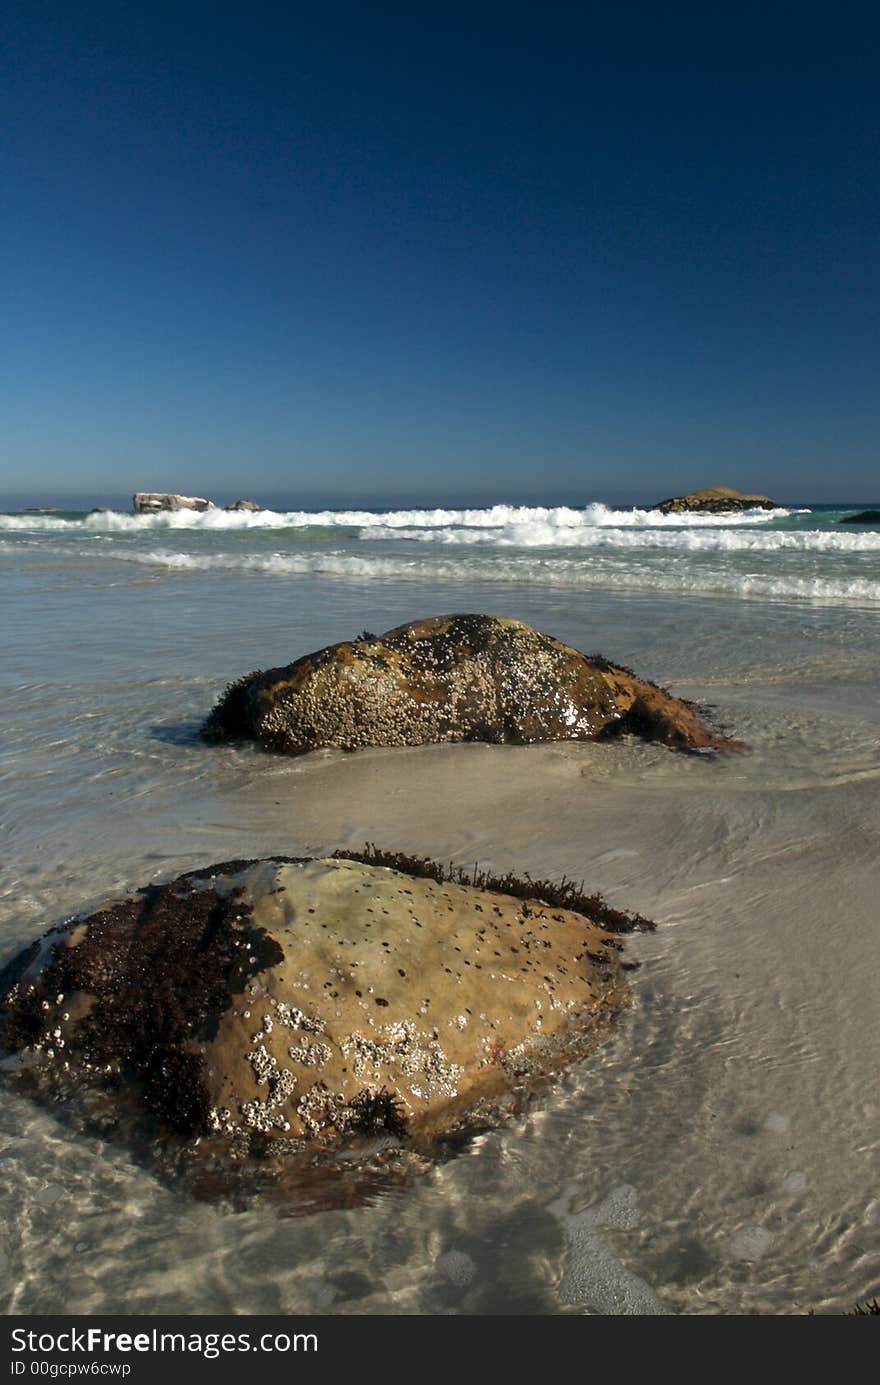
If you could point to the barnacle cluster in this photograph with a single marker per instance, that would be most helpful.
(450, 678)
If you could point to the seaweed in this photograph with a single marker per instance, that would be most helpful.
(871, 1309)
(607, 666)
(373, 1112)
(557, 894)
(150, 1001)
(228, 720)
(235, 866)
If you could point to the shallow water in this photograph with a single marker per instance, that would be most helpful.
(718, 1155)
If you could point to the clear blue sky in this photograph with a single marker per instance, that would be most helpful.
(512, 251)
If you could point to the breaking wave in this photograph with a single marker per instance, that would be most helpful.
(759, 554)
(703, 540)
(498, 517)
(552, 572)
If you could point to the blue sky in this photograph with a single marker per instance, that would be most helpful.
(556, 252)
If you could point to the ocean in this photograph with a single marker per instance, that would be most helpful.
(719, 1154)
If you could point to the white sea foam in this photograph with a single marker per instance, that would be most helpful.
(539, 534)
(502, 526)
(38, 523)
(759, 554)
(552, 572)
(564, 517)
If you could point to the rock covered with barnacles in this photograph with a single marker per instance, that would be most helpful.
(286, 1007)
(451, 678)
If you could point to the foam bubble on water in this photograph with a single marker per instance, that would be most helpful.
(323, 1294)
(48, 1195)
(776, 1123)
(794, 1182)
(750, 1243)
(457, 1266)
(593, 1276)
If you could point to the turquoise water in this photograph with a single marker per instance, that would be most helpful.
(784, 553)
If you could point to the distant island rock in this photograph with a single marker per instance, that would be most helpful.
(39, 510)
(863, 517)
(250, 505)
(714, 500)
(290, 1008)
(154, 502)
(451, 678)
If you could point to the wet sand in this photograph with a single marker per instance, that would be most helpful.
(718, 1155)
(733, 1113)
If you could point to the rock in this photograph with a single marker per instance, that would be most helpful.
(39, 510)
(250, 505)
(863, 517)
(714, 500)
(282, 1008)
(451, 678)
(154, 502)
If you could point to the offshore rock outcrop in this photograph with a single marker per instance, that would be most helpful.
(451, 678)
(286, 1010)
(250, 506)
(155, 502)
(714, 500)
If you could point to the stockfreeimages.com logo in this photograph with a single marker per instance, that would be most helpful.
(94, 1341)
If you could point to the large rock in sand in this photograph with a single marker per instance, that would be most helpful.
(281, 1008)
(451, 678)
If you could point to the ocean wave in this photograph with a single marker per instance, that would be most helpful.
(679, 576)
(497, 517)
(706, 540)
(38, 523)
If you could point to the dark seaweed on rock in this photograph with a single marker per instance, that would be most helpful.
(870, 1310)
(149, 999)
(604, 663)
(237, 865)
(376, 1113)
(230, 718)
(557, 894)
